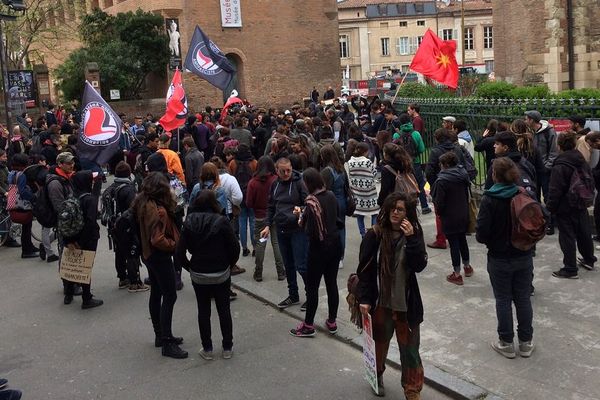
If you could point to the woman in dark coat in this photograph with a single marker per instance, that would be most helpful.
(395, 161)
(391, 254)
(451, 198)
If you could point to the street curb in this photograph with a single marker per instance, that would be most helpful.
(436, 378)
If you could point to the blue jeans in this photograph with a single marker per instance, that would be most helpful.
(360, 220)
(418, 172)
(246, 216)
(511, 281)
(294, 251)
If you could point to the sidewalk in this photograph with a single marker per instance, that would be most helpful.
(460, 323)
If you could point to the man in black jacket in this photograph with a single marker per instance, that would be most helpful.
(572, 219)
(593, 140)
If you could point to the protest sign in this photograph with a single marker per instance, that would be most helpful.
(369, 353)
(76, 265)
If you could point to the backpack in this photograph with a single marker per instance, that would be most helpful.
(14, 201)
(108, 202)
(407, 142)
(70, 219)
(219, 193)
(243, 174)
(581, 189)
(528, 221)
(180, 192)
(526, 181)
(466, 160)
(405, 183)
(42, 207)
(126, 232)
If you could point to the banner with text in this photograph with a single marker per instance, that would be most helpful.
(76, 265)
(231, 14)
(369, 353)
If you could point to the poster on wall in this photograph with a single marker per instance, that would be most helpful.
(172, 25)
(21, 87)
(231, 14)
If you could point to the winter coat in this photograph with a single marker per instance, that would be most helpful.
(82, 188)
(59, 188)
(544, 140)
(158, 231)
(388, 180)
(565, 164)
(361, 175)
(416, 136)
(124, 196)
(494, 222)
(525, 169)
(432, 169)
(370, 277)
(210, 240)
(257, 195)
(193, 162)
(466, 141)
(330, 216)
(284, 196)
(451, 199)
(486, 145)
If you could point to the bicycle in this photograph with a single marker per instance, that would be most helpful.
(11, 229)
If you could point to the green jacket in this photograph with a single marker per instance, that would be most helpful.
(408, 127)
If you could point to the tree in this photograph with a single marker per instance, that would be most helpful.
(127, 47)
(40, 27)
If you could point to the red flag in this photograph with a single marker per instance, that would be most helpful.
(230, 101)
(436, 59)
(176, 105)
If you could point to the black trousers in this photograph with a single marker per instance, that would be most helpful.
(162, 292)
(597, 214)
(574, 233)
(127, 267)
(26, 243)
(204, 294)
(323, 261)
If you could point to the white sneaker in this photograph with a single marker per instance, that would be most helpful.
(506, 349)
(526, 348)
(207, 355)
(341, 264)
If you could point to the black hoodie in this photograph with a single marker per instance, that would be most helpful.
(285, 195)
(451, 198)
(433, 165)
(82, 187)
(564, 165)
(528, 178)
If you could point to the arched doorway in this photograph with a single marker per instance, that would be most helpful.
(237, 82)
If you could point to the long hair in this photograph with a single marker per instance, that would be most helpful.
(330, 158)
(399, 157)
(313, 180)
(210, 172)
(156, 188)
(207, 202)
(264, 168)
(386, 260)
(524, 137)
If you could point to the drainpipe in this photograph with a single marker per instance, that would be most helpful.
(570, 44)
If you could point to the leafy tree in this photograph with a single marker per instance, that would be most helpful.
(127, 47)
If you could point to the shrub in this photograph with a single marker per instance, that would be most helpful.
(494, 90)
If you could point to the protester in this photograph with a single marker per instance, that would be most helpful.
(593, 139)
(209, 238)
(24, 196)
(395, 161)
(451, 198)
(242, 167)
(361, 176)
(320, 220)
(510, 269)
(486, 144)
(390, 256)
(464, 137)
(154, 208)
(173, 161)
(578, 126)
(193, 162)
(413, 111)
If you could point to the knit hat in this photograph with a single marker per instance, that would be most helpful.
(534, 115)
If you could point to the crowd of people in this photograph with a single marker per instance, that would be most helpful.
(224, 185)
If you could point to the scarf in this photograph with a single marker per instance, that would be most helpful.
(312, 202)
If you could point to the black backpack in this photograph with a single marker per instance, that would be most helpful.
(465, 159)
(581, 189)
(108, 209)
(126, 233)
(407, 142)
(243, 174)
(42, 207)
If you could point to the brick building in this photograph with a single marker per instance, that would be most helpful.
(281, 50)
(537, 43)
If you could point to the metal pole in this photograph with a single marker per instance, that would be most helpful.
(4, 80)
(462, 27)
(399, 86)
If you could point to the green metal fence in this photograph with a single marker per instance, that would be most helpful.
(477, 112)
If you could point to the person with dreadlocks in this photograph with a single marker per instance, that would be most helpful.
(391, 253)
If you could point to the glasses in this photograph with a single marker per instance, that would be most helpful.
(285, 171)
(398, 210)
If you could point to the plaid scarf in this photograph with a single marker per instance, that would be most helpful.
(312, 202)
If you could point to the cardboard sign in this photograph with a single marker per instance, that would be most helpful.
(560, 125)
(369, 353)
(76, 265)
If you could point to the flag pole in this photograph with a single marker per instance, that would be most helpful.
(399, 86)
(178, 140)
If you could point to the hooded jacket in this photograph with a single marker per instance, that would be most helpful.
(466, 141)
(257, 195)
(494, 222)
(527, 170)
(285, 195)
(416, 136)
(82, 188)
(451, 198)
(544, 140)
(210, 239)
(565, 164)
(432, 169)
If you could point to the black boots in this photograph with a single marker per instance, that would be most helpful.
(158, 342)
(91, 303)
(170, 348)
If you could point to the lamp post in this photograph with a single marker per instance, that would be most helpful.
(462, 28)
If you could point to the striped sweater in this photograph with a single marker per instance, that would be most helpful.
(361, 173)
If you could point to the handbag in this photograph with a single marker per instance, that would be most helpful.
(473, 211)
(350, 199)
(405, 183)
(14, 201)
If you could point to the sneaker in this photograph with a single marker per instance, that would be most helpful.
(437, 245)
(585, 264)
(42, 251)
(468, 271)
(91, 303)
(455, 278)
(236, 270)
(227, 354)
(206, 354)
(138, 287)
(331, 326)
(289, 301)
(170, 349)
(52, 258)
(506, 349)
(426, 211)
(257, 276)
(245, 252)
(526, 348)
(68, 299)
(3, 383)
(564, 274)
(124, 283)
(232, 295)
(281, 276)
(303, 330)
(33, 254)
(303, 306)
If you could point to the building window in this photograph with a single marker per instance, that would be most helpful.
(344, 46)
(419, 40)
(447, 34)
(419, 8)
(403, 23)
(414, 44)
(385, 46)
(469, 42)
(382, 8)
(489, 66)
(383, 25)
(402, 46)
(421, 22)
(488, 41)
(401, 8)
(405, 69)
